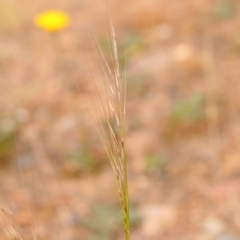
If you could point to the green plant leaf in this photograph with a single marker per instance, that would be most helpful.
(225, 9)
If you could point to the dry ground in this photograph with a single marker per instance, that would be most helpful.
(182, 126)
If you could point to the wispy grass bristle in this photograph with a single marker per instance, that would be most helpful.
(112, 107)
(10, 227)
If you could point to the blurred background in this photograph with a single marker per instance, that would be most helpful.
(182, 64)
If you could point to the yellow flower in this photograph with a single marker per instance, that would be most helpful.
(52, 21)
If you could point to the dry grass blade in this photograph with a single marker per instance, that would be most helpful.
(110, 105)
(9, 224)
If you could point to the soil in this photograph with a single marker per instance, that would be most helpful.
(181, 60)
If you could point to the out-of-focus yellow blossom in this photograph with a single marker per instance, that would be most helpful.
(52, 20)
